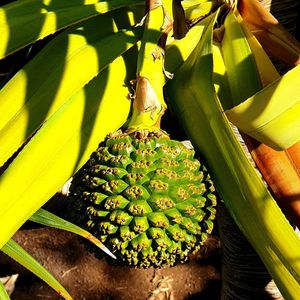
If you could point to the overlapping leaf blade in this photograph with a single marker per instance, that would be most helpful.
(269, 119)
(237, 55)
(16, 252)
(3, 293)
(62, 145)
(280, 169)
(43, 17)
(276, 40)
(48, 219)
(53, 76)
(245, 195)
(260, 113)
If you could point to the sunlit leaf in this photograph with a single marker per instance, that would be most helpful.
(48, 219)
(3, 293)
(193, 96)
(44, 17)
(17, 253)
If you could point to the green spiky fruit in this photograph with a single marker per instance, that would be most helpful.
(146, 198)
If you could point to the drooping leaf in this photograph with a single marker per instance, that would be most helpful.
(48, 219)
(42, 18)
(3, 293)
(63, 144)
(193, 96)
(17, 253)
(60, 70)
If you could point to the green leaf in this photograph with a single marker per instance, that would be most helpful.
(63, 144)
(267, 117)
(48, 219)
(261, 113)
(242, 73)
(60, 70)
(3, 293)
(244, 193)
(17, 253)
(24, 22)
(177, 51)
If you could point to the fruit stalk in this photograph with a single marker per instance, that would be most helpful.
(149, 105)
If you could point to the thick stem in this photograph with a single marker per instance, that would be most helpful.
(149, 104)
(147, 107)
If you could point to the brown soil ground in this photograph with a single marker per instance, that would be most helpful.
(87, 278)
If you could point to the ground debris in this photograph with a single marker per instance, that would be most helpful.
(9, 282)
(162, 289)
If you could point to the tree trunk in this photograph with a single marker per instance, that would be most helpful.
(244, 276)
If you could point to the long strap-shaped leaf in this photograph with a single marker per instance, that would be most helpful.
(264, 115)
(3, 293)
(269, 119)
(58, 72)
(280, 169)
(48, 219)
(245, 195)
(177, 51)
(62, 145)
(237, 55)
(17, 253)
(42, 18)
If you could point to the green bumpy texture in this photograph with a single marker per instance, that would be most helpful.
(146, 198)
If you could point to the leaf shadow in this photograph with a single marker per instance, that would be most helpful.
(53, 75)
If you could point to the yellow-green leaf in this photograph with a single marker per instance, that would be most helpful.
(271, 116)
(17, 253)
(63, 144)
(48, 219)
(193, 96)
(61, 69)
(24, 22)
(241, 69)
(3, 293)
